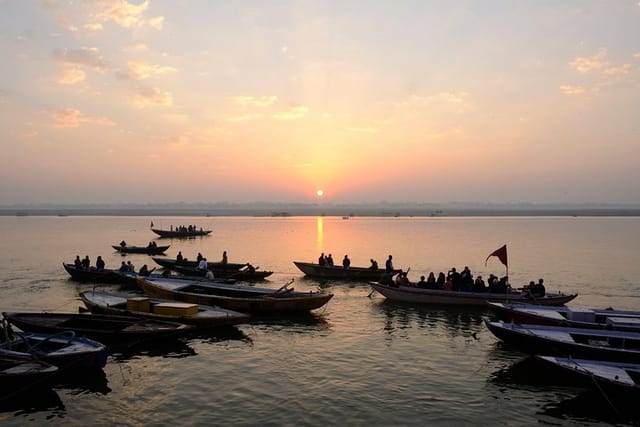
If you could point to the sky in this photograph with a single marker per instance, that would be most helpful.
(367, 100)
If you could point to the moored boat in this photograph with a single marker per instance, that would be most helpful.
(181, 233)
(411, 294)
(340, 273)
(248, 275)
(601, 344)
(20, 373)
(202, 316)
(247, 299)
(107, 329)
(617, 377)
(170, 263)
(149, 250)
(92, 274)
(64, 350)
(577, 317)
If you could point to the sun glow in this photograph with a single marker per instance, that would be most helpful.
(320, 193)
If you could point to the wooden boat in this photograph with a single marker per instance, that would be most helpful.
(601, 344)
(339, 273)
(149, 250)
(106, 275)
(108, 329)
(202, 316)
(19, 373)
(623, 378)
(438, 296)
(180, 234)
(242, 275)
(247, 299)
(170, 263)
(576, 317)
(64, 350)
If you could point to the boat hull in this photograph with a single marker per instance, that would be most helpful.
(205, 317)
(340, 273)
(180, 234)
(157, 250)
(442, 297)
(258, 304)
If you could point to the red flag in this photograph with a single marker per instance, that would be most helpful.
(501, 253)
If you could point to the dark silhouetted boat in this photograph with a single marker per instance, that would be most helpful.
(411, 294)
(105, 275)
(246, 299)
(108, 329)
(575, 317)
(202, 316)
(149, 250)
(177, 234)
(20, 373)
(340, 273)
(170, 263)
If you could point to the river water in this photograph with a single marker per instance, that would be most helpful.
(360, 360)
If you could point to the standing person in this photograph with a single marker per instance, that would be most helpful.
(346, 262)
(179, 257)
(199, 257)
(329, 260)
(389, 264)
(99, 263)
(225, 260)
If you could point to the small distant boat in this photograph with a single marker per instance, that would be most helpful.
(149, 250)
(575, 317)
(107, 329)
(202, 316)
(601, 344)
(623, 378)
(181, 233)
(412, 294)
(246, 299)
(19, 373)
(170, 263)
(63, 350)
(105, 275)
(340, 273)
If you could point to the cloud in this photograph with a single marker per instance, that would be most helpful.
(151, 96)
(138, 70)
(618, 71)
(246, 117)
(137, 48)
(585, 65)
(93, 27)
(73, 118)
(71, 75)
(572, 90)
(128, 15)
(254, 101)
(291, 113)
(84, 56)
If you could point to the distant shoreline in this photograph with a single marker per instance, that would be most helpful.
(329, 211)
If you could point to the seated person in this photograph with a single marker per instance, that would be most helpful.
(374, 264)
(422, 283)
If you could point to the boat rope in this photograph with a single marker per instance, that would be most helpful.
(615, 410)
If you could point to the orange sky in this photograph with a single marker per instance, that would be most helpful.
(155, 101)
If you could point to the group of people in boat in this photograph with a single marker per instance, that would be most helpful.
(151, 244)
(199, 258)
(185, 228)
(85, 263)
(464, 281)
(327, 261)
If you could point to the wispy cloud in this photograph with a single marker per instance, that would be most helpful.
(73, 118)
(618, 71)
(585, 65)
(254, 101)
(127, 15)
(71, 75)
(137, 70)
(84, 56)
(152, 97)
(572, 90)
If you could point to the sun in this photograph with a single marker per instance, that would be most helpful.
(320, 193)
